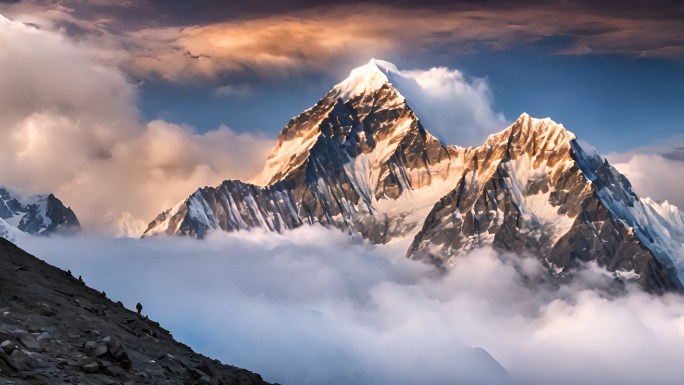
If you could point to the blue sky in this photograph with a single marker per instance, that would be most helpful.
(615, 102)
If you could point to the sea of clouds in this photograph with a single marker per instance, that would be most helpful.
(316, 306)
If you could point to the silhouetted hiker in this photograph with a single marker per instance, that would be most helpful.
(69, 272)
(138, 307)
(80, 279)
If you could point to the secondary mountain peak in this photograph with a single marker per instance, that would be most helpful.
(538, 135)
(542, 126)
(36, 214)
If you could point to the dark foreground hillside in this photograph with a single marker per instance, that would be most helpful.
(56, 330)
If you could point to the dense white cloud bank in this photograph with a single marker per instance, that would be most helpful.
(315, 307)
(454, 107)
(70, 125)
(652, 174)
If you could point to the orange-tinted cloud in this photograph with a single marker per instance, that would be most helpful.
(70, 125)
(332, 38)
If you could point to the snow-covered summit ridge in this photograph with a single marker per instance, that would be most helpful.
(367, 78)
(368, 90)
(543, 128)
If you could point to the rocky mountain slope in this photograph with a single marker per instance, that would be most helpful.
(359, 160)
(362, 161)
(56, 330)
(37, 214)
(532, 189)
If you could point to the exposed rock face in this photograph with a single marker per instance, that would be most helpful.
(56, 330)
(532, 189)
(38, 214)
(361, 160)
(358, 160)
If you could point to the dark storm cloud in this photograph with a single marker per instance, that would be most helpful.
(182, 12)
(176, 12)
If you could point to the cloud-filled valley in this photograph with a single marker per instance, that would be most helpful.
(316, 306)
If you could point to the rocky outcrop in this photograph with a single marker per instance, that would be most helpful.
(37, 214)
(56, 330)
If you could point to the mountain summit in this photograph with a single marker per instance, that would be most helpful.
(362, 161)
(359, 159)
(367, 78)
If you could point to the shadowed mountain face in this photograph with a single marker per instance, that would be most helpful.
(56, 330)
(361, 160)
(38, 214)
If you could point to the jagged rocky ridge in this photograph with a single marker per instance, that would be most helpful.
(358, 160)
(532, 189)
(361, 160)
(56, 330)
(37, 214)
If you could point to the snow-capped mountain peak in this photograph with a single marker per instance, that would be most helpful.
(366, 78)
(538, 131)
(344, 116)
(341, 162)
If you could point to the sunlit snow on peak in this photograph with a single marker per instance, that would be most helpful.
(367, 78)
(452, 106)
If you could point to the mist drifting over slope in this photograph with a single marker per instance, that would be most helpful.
(315, 306)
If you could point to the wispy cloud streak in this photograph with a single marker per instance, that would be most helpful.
(306, 38)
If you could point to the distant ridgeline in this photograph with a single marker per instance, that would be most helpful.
(36, 214)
